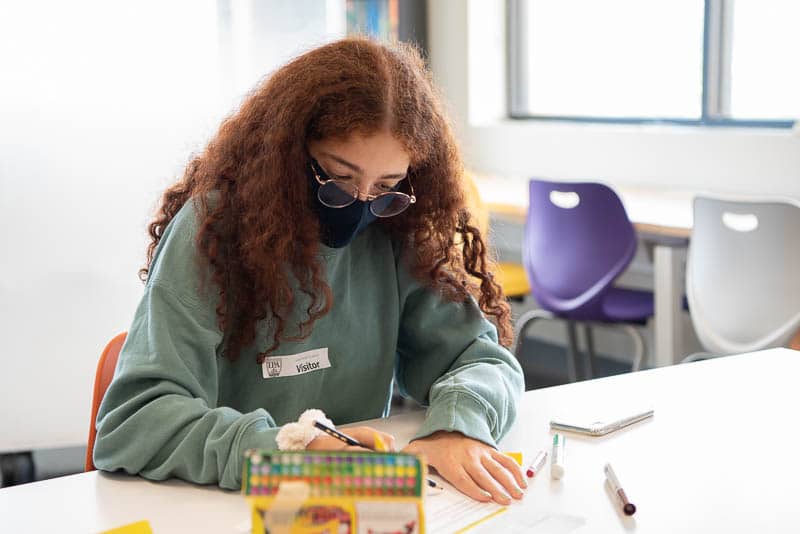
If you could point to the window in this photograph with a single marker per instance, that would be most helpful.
(717, 62)
(763, 82)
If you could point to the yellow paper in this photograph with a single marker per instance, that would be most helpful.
(140, 527)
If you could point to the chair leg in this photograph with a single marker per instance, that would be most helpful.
(697, 356)
(528, 318)
(572, 352)
(589, 369)
(638, 343)
(524, 322)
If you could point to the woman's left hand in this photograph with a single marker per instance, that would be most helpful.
(473, 467)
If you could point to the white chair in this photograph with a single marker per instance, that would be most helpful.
(743, 274)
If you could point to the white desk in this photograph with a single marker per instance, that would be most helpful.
(661, 217)
(719, 456)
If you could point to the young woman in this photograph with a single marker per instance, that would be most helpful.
(316, 249)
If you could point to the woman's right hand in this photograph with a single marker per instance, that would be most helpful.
(363, 434)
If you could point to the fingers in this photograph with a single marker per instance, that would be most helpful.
(391, 443)
(366, 437)
(361, 434)
(323, 442)
(355, 448)
(502, 475)
(464, 483)
(486, 482)
(388, 441)
(509, 463)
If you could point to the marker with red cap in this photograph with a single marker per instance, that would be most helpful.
(537, 464)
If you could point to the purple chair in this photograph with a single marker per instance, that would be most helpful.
(578, 240)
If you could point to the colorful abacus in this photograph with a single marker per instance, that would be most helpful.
(334, 474)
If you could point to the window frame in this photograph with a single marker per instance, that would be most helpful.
(716, 83)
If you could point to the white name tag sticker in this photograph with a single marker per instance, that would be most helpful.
(295, 364)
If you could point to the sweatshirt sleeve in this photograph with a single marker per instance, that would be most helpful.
(449, 359)
(159, 417)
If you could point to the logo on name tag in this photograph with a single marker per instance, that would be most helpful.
(274, 367)
(295, 364)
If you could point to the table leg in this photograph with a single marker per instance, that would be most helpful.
(668, 267)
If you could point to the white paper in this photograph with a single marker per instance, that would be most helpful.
(516, 521)
(452, 511)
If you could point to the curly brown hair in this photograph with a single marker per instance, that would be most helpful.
(257, 165)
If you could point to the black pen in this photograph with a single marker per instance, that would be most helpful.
(336, 434)
(341, 436)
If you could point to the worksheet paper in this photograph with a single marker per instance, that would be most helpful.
(452, 512)
(514, 521)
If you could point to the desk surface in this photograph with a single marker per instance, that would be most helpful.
(719, 456)
(659, 212)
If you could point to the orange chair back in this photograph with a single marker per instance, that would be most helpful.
(102, 378)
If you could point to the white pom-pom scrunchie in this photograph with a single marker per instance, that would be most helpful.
(297, 436)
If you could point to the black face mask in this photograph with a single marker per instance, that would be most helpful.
(339, 226)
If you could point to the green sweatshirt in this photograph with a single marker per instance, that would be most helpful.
(176, 408)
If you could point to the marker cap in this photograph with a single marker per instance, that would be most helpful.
(558, 457)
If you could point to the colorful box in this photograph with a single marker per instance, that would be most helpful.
(304, 492)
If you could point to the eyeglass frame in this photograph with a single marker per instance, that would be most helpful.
(412, 198)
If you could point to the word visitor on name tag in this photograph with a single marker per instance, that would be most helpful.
(295, 364)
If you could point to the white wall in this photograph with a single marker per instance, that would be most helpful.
(467, 50)
(101, 104)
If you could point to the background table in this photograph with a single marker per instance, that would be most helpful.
(720, 455)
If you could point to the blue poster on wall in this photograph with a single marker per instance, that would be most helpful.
(376, 18)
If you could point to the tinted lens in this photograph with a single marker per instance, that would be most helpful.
(337, 194)
(389, 204)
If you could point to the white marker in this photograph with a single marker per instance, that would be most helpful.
(558, 457)
(537, 464)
